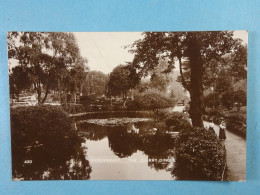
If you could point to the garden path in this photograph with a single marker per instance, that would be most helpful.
(236, 152)
(236, 155)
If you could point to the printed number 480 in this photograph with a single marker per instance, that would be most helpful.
(28, 161)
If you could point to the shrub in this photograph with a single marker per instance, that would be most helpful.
(237, 124)
(212, 100)
(240, 98)
(177, 121)
(47, 125)
(163, 114)
(133, 104)
(73, 108)
(155, 101)
(43, 134)
(215, 115)
(87, 98)
(39, 120)
(55, 97)
(228, 100)
(199, 155)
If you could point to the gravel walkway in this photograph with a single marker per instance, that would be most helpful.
(236, 155)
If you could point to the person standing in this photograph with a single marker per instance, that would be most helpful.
(211, 126)
(222, 129)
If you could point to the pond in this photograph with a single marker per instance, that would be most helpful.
(105, 146)
(126, 146)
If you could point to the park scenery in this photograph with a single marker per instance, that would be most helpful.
(128, 105)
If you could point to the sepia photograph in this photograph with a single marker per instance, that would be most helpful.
(128, 105)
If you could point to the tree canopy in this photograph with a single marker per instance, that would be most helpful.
(46, 55)
(121, 80)
(95, 84)
(194, 52)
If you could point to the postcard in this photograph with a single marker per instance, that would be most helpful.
(128, 105)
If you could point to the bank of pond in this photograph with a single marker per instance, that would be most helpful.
(49, 144)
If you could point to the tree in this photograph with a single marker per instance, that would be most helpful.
(228, 100)
(160, 76)
(212, 100)
(240, 98)
(95, 83)
(224, 82)
(121, 80)
(46, 56)
(18, 80)
(154, 101)
(197, 49)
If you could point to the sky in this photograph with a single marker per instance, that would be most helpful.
(105, 50)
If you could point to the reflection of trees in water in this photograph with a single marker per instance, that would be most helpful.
(122, 143)
(162, 161)
(63, 160)
(159, 149)
(92, 131)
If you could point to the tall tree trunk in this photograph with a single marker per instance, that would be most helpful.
(124, 99)
(196, 88)
(75, 98)
(37, 86)
(59, 92)
(46, 92)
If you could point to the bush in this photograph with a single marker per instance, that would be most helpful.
(214, 115)
(199, 155)
(237, 124)
(228, 100)
(154, 101)
(87, 98)
(55, 97)
(177, 121)
(43, 134)
(240, 98)
(212, 100)
(48, 125)
(73, 108)
(133, 104)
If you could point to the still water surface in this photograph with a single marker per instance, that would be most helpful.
(108, 146)
(127, 147)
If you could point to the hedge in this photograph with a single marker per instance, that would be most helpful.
(199, 155)
(45, 135)
(177, 121)
(237, 124)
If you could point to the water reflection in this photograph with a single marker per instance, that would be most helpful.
(122, 143)
(66, 159)
(131, 148)
(134, 145)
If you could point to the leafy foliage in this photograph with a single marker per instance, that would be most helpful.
(198, 49)
(121, 80)
(46, 57)
(212, 100)
(228, 99)
(95, 84)
(177, 121)
(18, 80)
(237, 124)
(199, 155)
(154, 101)
(42, 134)
(240, 98)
